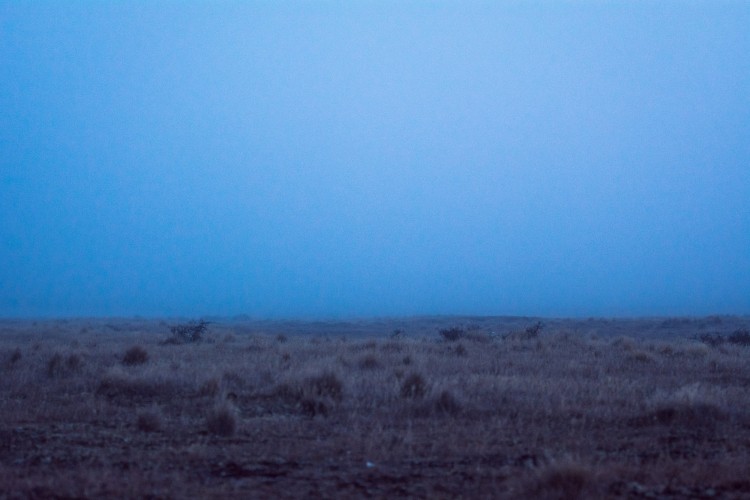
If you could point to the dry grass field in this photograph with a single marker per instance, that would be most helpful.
(580, 409)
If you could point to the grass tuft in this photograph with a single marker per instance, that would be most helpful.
(62, 366)
(326, 385)
(369, 362)
(413, 387)
(447, 404)
(222, 420)
(15, 357)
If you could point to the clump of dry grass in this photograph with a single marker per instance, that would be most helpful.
(447, 404)
(136, 355)
(413, 386)
(665, 349)
(210, 387)
(696, 350)
(693, 406)
(368, 362)
(641, 356)
(126, 389)
(316, 395)
(321, 394)
(370, 345)
(395, 344)
(61, 366)
(624, 343)
(326, 385)
(222, 420)
(14, 357)
(701, 416)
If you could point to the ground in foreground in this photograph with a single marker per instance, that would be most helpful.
(494, 408)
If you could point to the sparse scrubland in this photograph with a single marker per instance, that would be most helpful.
(575, 409)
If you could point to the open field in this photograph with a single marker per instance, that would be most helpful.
(582, 408)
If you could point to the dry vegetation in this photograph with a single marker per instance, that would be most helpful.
(110, 410)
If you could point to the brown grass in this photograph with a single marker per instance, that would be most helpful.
(487, 416)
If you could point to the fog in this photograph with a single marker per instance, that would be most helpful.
(339, 159)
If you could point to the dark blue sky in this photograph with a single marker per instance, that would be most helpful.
(374, 158)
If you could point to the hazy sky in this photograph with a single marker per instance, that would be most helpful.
(374, 158)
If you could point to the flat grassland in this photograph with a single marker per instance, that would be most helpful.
(96, 408)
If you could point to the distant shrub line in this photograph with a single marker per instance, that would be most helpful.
(457, 333)
(738, 337)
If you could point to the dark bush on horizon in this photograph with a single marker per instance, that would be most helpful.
(452, 334)
(187, 333)
(136, 355)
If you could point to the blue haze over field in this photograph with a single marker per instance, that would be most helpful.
(374, 158)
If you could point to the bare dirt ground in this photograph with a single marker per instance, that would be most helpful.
(489, 408)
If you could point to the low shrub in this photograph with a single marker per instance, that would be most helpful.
(452, 334)
(530, 333)
(740, 337)
(533, 331)
(713, 340)
(136, 355)
(55, 365)
(73, 363)
(185, 333)
(311, 396)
